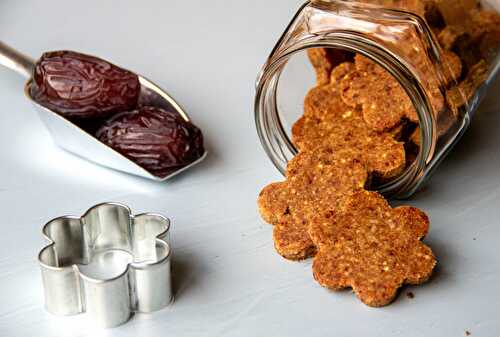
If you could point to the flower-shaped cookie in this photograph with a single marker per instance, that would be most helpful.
(383, 100)
(329, 122)
(371, 247)
(316, 180)
(106, 264)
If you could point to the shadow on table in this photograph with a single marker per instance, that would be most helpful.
(182, 274)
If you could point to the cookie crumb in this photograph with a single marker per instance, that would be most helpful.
(467, 332)
(410, 295)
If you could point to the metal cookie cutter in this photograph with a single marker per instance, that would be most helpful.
(107, 264)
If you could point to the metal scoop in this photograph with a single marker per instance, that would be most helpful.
(73, 139)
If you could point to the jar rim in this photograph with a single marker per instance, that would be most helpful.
(267, 86)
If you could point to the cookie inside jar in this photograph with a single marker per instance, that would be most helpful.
(352, 105)
(365, 110)
(399, 116)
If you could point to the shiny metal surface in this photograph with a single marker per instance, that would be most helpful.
(73, 139)
(107, 264)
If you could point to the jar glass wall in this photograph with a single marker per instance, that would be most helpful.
(416, 75)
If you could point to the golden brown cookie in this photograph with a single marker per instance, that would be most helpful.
(415, 137)
(323, 102)
(483, 21)
(473, 38)
(485, 33)
(456, 12)
(401, 132)
(328, 121)
(450, 64)
(452, 67)
(324, 60)
(340, 71)
(316, 180)
(460, 95)
(449, 36)
(445, 122)
(273, 202)
(371, 247)
(384, 102)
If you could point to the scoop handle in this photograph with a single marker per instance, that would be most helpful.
(16, 61)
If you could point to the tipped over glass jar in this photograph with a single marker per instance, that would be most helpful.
(394, 82)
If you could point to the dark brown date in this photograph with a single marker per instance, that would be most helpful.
(82, 86)
(160, 141)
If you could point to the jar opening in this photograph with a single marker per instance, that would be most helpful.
(287, 80)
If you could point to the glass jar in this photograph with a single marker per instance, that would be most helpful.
(411, 40)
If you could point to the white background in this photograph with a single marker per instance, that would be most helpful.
(229, 280)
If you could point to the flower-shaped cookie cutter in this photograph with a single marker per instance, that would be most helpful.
(107, 264)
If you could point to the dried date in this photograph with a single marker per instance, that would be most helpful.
(160, 141)
(82, 86)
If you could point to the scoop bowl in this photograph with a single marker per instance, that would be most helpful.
(74, 139)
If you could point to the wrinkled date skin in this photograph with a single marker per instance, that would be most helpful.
(160, 141)
(82, 86)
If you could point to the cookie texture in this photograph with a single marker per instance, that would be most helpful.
(329, 122)
(450, 35)
(459, 95)
(324, 60)
(371, 247)
(383, 101)
(452, 67)
(415, 137)
(317, 180)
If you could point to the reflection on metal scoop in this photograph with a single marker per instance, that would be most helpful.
(72, 138)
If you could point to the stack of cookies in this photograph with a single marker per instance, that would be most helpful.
(360, 129)
(323, 209)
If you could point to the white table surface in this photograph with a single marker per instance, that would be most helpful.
(229, 280)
